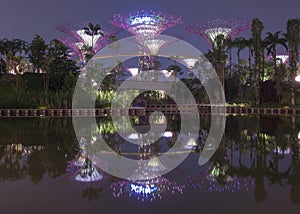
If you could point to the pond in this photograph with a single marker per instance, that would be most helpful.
(256, 168)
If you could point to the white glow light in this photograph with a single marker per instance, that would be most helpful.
(88, 40)
(214, 32)
(167, 73)
(133, 71)
(154, 45)
(190, 62)
(168, 134)
(282, 58)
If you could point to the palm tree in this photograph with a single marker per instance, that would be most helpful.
(240, 43)
(250, 55)
(257, 28)
(92, 30)
(217, 56)
(293, 31)
(272, 41)
(229, 44)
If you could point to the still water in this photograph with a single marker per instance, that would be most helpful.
(256, 169)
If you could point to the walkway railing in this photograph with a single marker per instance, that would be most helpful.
(142, 111)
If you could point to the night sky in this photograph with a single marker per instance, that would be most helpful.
(25, 18)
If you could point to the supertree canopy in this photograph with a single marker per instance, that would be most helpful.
(86, 39)
(280, 58)
(145, 24)
(143, 186)
(211, 29)
(216, 179)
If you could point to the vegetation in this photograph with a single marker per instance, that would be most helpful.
(37, 74)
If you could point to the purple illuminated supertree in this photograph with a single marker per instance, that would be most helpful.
(211, 29)
(209, 179)
(82, 168)
(280, 58)
(86, 41)
(145, 26)
(146, 183)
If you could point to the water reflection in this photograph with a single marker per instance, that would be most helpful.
(258, 154)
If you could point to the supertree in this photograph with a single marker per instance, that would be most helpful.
(145, 26)
(280, 58)
(211, 32)
(87, 39)
(209, 179)
(146, 183)
(82, 168)
(211, 29)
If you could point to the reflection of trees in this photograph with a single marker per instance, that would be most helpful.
(91, 193)
(35, 147)
(36, 169)
(294, 179)
(10, 165)
(259, 150)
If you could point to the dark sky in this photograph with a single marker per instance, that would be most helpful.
(25, 18)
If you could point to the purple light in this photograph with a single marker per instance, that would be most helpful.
(145, 24)
(280, 58)
(81, 43)
(211, 29)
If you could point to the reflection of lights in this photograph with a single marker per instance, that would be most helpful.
(146, 185)
(146, 190)
(154, 165)
(168, 134)
(232, 183)
(280, 151)
(297, 78)
(88, 173)
(299, 135)
(191, 143)
(139, 189)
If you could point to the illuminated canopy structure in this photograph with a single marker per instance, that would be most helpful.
(213, 28)
(88, 173)
(208, 180)
(146, 189)
(280, 58)
(145, 24)
(83, 43)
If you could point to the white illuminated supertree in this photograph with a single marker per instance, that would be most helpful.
(147, 184)
(86, 39)
(280, 58)
(211, 29)
(83, 169)
(145, 26)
